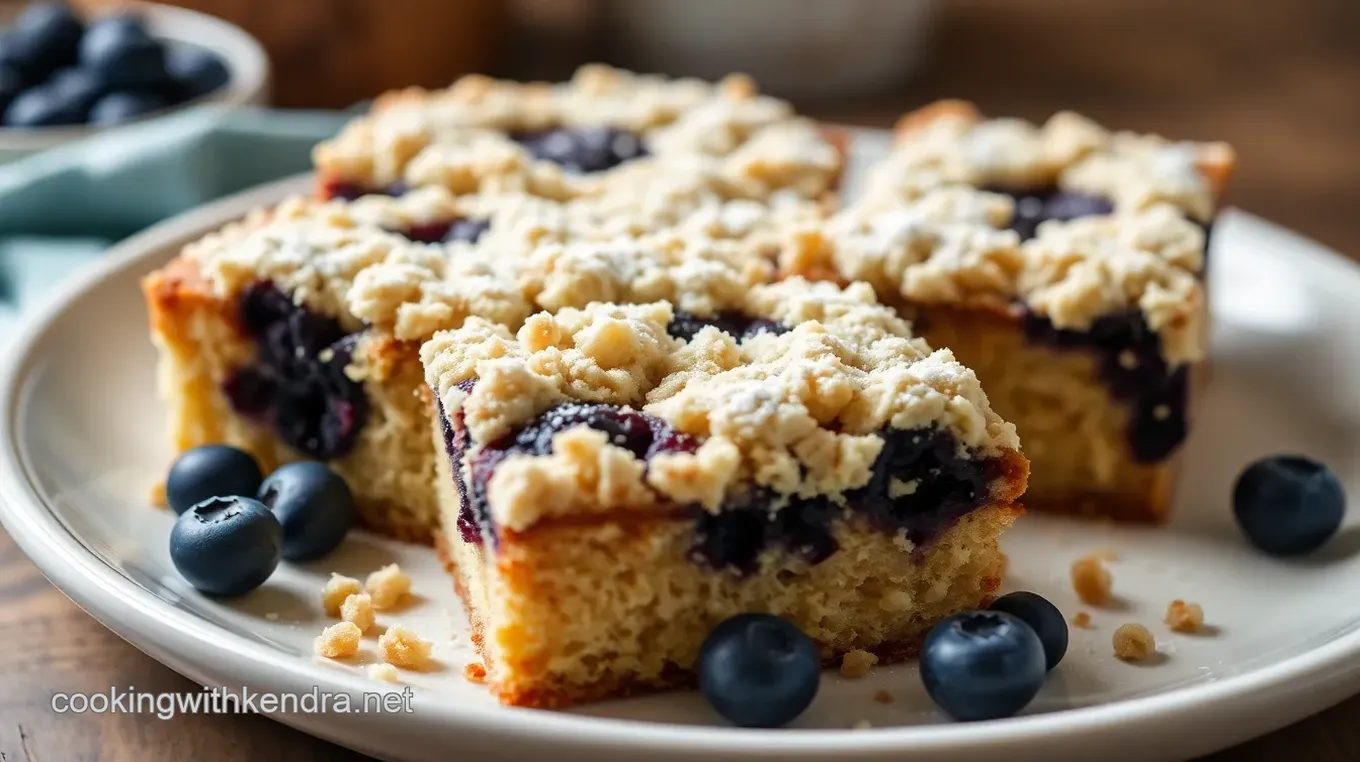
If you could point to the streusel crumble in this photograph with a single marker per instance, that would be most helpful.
(578, 138)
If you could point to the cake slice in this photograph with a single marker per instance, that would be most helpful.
(1064, 264)
(619, 479)
(579, 138)
(296, 333)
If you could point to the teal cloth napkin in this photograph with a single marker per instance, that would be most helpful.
(62, 208)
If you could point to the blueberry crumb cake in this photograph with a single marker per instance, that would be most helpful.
(603, 127)
(621, 478)
(1064, 264)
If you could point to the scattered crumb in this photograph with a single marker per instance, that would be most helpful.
(384, 672)
(1082, 620)
(1091, 580)
(338, 588)
(883, 697)
(855, 664)
(401, 647)
(387, 586)
(358, 610)
(862, 725)
(272, 616)
(1184, 617)
(1133, 642)
(474, 672)
(338, 641)
(158, 495)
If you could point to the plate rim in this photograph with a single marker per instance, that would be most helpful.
(1327, 673)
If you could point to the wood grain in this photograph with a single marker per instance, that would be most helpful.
(1280, 79)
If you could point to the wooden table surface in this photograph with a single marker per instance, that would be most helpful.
(1280, 79)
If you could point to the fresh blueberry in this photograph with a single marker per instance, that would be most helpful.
(124, 54)
(49, 34)
(196, 71)
(758, 670)
(78, 88)
(117, 108)
(14, 54)
(11, 84)
(226, 545)
(42, 106)
(982, 665)
(1043, 617)
(210, 471)
(313, 504)
(1288, 504)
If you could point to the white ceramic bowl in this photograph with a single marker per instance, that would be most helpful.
(245, 60)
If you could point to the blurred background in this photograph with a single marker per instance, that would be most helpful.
(1280, 79)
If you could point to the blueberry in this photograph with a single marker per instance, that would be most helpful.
(1043, 617)
(79, 88)
(14, 54)
(684, 325)
(116, 108)
(313, 504)
(42, 106)
(226, 545)
(210, 471)
(49, 34)
(1288, 504)
(11, 84)
(758, 670)
(196, 71)
(982, 665)
(583, 149)
(124, 54)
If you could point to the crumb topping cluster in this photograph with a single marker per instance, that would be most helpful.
(927, 230)
(461, 139)
(361, 275)
(950, 143)
(795, 412)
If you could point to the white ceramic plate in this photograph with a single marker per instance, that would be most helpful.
(81, 444)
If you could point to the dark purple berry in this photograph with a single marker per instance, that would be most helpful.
(210, 471)
(1043, 617)
(759, 671)
(124, 54)
(314, 505)
(117, 108)
(1033, 207)
(226, 545)
(583, 150)
(196, 71)
(982, 665)
(1288, 504)
(685, 325)
(48, 33)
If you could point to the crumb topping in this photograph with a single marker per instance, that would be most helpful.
(387, 587)
(947, 247)
(951, 144)
(1091, 580)
(1184, 617)
(338, 641)
(384, 673)
(1133, 642)
(459, 138)
(358, 611)
(1082, 620)
(798, 412)
(361, 275)
(338, 589)
(401, 647)
(855, 664)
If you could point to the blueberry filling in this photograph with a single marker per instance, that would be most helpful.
(350, 191)
(298, 382)
(1038, 205)
(684, 325)
(446, 231)
(920, 485)
(582, 150)
(1132, 367)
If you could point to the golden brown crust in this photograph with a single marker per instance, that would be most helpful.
(929, 114)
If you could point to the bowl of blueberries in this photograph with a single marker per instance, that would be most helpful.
(65, 75)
